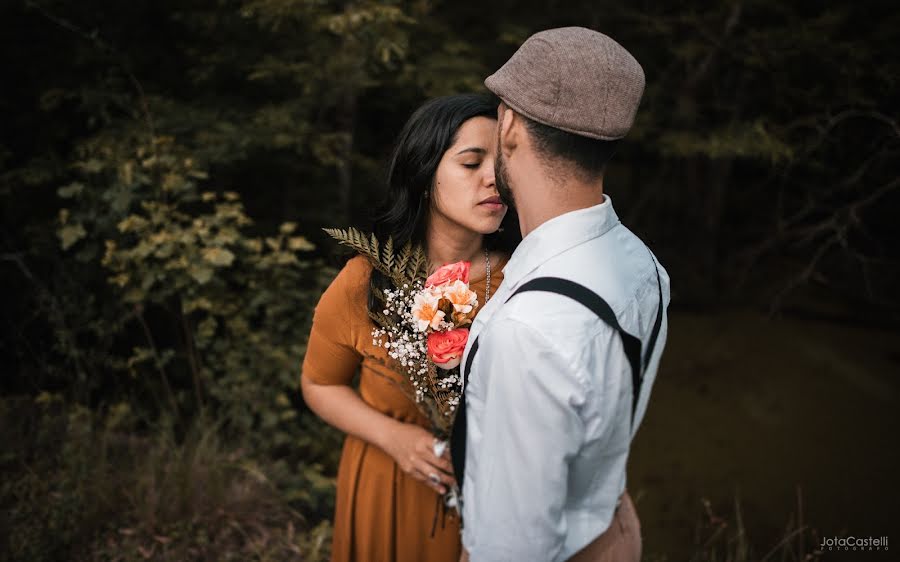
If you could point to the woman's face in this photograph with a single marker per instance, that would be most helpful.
(464, 193)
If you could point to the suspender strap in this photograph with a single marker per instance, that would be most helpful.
(596, 304)
(458, 431)
(601, 308)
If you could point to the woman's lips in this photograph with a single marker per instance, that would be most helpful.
(493, 203)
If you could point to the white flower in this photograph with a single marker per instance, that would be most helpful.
(425, 311)
(460, 296)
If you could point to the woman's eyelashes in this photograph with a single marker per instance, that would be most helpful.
(472, 166)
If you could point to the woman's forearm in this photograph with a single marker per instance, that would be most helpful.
(411, 446)
(340, 406)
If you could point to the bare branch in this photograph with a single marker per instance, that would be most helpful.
(730, 24)
(846, 115)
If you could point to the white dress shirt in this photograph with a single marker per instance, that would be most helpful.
(549, 396)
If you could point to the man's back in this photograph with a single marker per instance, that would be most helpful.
(559, 375)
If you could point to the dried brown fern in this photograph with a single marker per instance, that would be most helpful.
(410, 266)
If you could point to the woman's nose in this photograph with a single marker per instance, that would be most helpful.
(489, 173)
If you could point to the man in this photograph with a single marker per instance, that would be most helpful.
(559, 370)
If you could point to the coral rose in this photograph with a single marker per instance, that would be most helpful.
(458, 271)
(446, 349)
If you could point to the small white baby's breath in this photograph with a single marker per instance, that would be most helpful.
(408, 346)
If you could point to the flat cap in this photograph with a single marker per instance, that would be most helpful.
(574, 79)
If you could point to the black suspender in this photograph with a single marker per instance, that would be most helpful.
(598, 306)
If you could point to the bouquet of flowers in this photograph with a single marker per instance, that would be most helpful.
(423, 323)
(429, 340)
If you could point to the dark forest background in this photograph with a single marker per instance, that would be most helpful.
(166, 168)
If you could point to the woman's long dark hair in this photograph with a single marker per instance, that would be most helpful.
(428, 134)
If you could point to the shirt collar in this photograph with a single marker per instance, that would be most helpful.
(558, 235)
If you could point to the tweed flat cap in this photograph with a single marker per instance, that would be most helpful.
(574, 79)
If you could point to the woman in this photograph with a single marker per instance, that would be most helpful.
(441, 195)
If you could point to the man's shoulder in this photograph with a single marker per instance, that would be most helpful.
(618, 267)
(556, 318)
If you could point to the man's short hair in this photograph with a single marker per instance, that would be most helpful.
(588, 155)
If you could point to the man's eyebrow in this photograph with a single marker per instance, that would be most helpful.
(475, 149)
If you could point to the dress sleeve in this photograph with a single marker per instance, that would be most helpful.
(331, 355)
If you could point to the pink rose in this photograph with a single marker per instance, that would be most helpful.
(446, 348)
(458, 271)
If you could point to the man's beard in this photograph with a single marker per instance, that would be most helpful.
(501, 179)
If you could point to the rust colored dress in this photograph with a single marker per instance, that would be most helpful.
(381, 513)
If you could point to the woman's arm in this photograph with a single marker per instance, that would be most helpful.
(328, 367)
(411, 446)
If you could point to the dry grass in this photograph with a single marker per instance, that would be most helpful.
(78, 489)
(719, 538)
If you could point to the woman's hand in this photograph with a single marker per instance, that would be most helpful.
(412, 447)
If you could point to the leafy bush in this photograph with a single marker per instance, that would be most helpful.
(216, 317)
(193, 324)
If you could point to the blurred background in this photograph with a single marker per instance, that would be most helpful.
(166, 168)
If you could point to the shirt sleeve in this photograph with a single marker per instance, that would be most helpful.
(331, 356)
(529, 428)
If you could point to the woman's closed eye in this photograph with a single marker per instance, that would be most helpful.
(476, 152)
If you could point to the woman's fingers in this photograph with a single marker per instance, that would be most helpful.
(436, 481)
(426, 448)
(443, 464)
(437, 472)
(430, 477)
(424, 465)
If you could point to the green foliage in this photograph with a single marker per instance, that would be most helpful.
(240, 304)
(750, 140)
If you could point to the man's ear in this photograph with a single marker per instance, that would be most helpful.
(511, 129)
